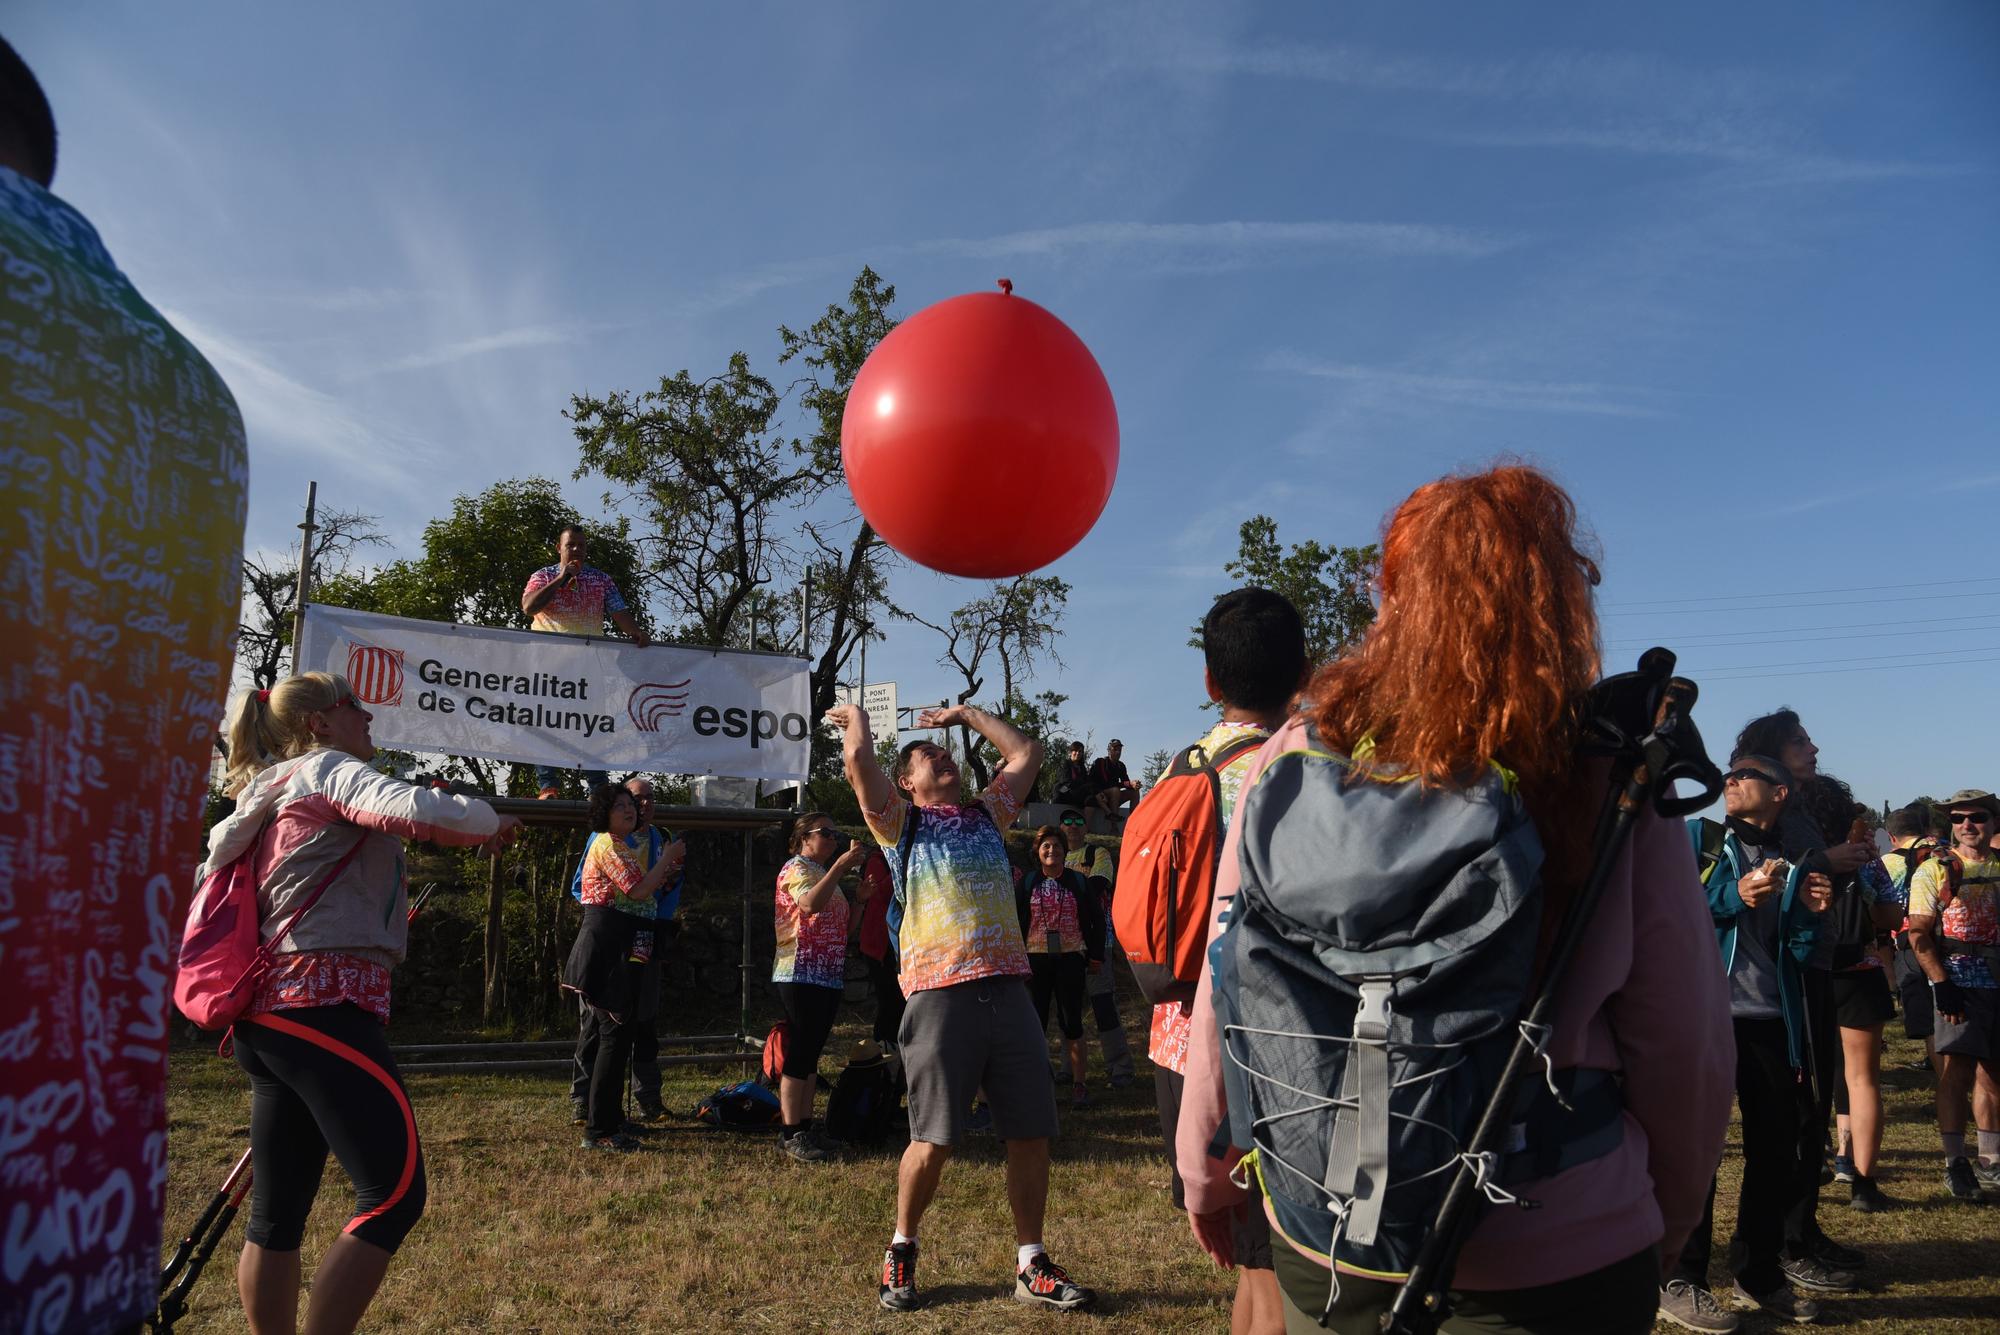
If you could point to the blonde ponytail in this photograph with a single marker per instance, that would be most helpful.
(270, 726)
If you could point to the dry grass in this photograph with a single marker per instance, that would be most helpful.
(710, 1230)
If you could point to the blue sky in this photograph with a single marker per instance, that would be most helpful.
(1729, 271)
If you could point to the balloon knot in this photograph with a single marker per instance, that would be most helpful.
(1007, 286)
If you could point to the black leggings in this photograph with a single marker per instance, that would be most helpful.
(810, 1010)
(1058, 978)
(321, 1078)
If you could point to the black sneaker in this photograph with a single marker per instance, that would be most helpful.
(651, 1113)
(579, 1114)
(898, 1289)
(618, 1144)
(1867, 1197)
(1811, 1273)
(1960, 1182)
(1834, 1256)
(1048, 1283)
(1780, 1302)
(802, 1148)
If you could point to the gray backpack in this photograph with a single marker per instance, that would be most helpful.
(1367, 987)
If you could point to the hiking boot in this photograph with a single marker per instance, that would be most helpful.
(1961, 1183)
(1987, 1174)
(898, 1289)
(802, 1148)
(825, 1139)
(1834, 1256)
(1780, 1302)
(650, 1112)
(1079, 1097)
(1843, 1168)
(1122, 1079)
(1691, 1307)
(618, 1144)
(1048, 1283)
(579, 1114)
(1867, 1197)
(1809, 1272)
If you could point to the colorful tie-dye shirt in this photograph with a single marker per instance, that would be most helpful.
(613, 868)
(1052, 917)
(959, 922)
(1173, 1021)
(1971, 915)
(812, 948)
(579, 609)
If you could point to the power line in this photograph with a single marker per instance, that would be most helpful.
(1798, 607)
(1808, 593)
(1791, 634)
(1862, 658)
(1828, 672)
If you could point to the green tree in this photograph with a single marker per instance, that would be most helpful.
(1328, 585)
(1156, 765)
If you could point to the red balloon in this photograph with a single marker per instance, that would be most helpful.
(980, 438)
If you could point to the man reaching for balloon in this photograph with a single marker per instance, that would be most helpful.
(962, 963)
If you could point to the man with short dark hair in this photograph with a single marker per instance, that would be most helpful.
(1113, 781)
(1955, 935)
(1767, 921)
(963, 966)
(646, 1077)
(1254, 661)
(571, 598)
(1910, 838)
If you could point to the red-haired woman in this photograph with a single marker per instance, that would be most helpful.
(1481, 654)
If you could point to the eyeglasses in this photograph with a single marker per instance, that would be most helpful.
(1971, 817)
(1071, 820)
(820, 829)
(1740, 775)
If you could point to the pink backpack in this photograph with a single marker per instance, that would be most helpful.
(223, 955)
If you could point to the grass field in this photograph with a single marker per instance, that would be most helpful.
(706, 1230)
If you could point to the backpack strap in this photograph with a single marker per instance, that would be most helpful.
(1708, 846)
(898, 893)
(318, 890)
(1360, 1175)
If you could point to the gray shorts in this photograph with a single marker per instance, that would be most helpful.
(1975, 1037)
(957, 1040)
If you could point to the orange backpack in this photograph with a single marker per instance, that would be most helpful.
(1166, 879)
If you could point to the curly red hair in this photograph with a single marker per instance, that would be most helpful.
(1486, 640)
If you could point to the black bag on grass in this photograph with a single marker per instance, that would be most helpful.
(862, 1110)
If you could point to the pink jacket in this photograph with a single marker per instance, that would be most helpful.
(1644, 996)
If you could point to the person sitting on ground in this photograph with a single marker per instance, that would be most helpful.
(1113, 782)
(809, 970)
(646, 1077)
(1064, 929)
(1254, 662)
(964, 969)
(609, 964)
(1954, 932)
(1483, 650)
(1768, 915)
(313, 1038)
(571, 598)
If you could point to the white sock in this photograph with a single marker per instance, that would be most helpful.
(1027, 1252)
(899, 1240)
(1989, 1146)
(1954, 1144)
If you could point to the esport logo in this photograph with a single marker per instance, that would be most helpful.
(654, 702)
(376, 674)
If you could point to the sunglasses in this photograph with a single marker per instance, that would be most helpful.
(820, 829)
(1971, 817)
(1071, 820)
(1742, 774)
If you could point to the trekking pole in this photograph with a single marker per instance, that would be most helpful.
(184, 1267)
(1641, 720)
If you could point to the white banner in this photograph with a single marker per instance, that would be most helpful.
(566, 700)
(878, 702)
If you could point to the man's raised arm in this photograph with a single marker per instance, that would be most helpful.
(857, 756)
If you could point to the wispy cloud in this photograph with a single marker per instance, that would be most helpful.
(281, 410)
(1384, 387)
(527, 336)
(1229, 243)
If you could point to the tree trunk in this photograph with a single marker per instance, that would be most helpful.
(496, 945)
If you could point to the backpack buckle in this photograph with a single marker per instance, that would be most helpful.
(1371, 1017)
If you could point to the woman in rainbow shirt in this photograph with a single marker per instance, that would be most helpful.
(810, 970)
(607, 965)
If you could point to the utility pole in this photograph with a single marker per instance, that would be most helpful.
(305, 574)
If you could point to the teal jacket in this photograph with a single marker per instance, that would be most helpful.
(1798, 929)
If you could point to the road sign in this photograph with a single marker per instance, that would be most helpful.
(878, 701)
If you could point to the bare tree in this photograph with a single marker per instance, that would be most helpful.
(271, 588)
